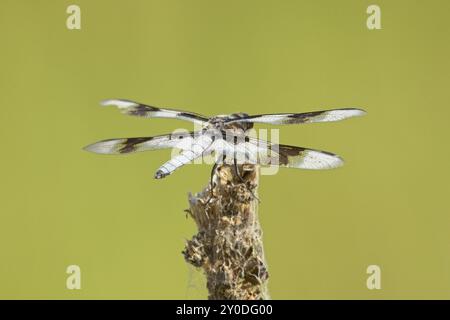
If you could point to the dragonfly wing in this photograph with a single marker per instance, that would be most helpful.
(181, 141)
(307, 117)
(292, 156)
(141, 110)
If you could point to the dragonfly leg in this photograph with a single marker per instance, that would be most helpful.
(211, 183)
(236, 169)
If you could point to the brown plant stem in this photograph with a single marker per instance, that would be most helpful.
(228, 245)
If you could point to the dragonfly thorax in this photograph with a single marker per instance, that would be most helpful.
(221, 122)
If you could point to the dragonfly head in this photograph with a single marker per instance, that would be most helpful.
(218, 122)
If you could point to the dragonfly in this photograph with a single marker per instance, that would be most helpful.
(226, 137)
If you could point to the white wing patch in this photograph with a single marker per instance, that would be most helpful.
(119, 103)
(338, 115)
(315, 160)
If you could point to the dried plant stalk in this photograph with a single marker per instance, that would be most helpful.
(228, 245)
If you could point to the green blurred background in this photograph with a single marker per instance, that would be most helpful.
(60, 205)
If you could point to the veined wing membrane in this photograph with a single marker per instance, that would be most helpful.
(307, 117)
(133, 108)
(181, 141)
